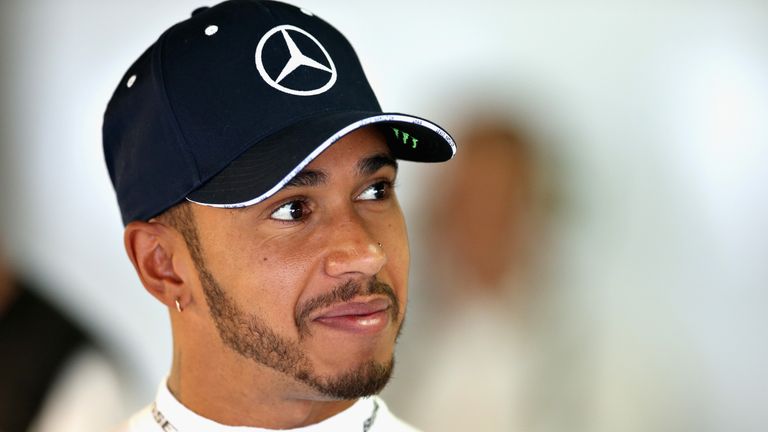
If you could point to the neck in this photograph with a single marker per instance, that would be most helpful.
(246, 394)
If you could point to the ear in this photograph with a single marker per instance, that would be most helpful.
(154, 250)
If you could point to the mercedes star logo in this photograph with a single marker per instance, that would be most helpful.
(296, 60)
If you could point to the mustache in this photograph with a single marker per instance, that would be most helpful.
(341, 293)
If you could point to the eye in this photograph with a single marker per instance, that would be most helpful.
(376, 192)
(291, 211)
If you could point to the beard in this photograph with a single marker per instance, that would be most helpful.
(250, 336)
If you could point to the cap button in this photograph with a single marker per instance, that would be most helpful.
(200, 9)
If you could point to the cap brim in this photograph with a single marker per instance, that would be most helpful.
(269, 164)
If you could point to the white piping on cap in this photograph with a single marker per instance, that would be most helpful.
(327, 143)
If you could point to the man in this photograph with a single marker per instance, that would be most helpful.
(254, 171)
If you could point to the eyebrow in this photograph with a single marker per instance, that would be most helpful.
(308, 178)
(365, 167)
(370, 165)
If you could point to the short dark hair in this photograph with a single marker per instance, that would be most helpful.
(181, 218)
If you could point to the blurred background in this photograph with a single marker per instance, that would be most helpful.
(593, 260)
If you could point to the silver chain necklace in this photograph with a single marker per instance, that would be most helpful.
(167, 426)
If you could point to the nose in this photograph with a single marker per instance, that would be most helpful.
(353, 250)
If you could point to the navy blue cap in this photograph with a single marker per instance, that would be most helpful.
(228, 105)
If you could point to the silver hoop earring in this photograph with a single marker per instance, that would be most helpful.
(178, 305)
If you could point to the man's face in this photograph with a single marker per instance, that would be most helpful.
(312, 282)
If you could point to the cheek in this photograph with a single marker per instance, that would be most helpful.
(399, 244)
(265, 278)
(276, 280)
(394, 240)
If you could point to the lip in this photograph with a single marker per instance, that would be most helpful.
(364, 317)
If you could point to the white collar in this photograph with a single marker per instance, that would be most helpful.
(172, 416)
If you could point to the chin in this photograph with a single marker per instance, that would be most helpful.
(350, 353)
(366, 379)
